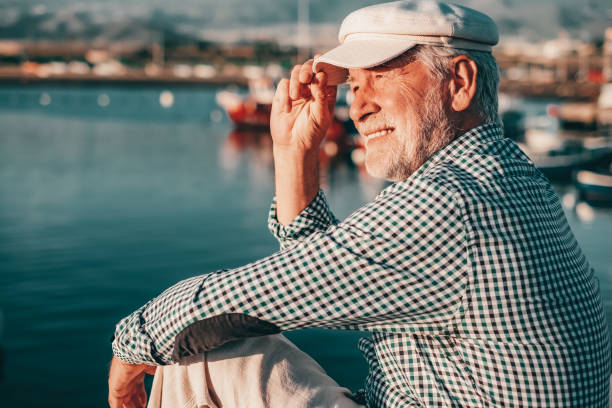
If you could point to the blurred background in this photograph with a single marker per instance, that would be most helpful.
(134, 152)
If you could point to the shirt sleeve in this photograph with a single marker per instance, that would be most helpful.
(397, 264)
(315, 217)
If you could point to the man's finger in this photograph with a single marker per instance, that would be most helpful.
(281, 97)
(117, 399)
(126, 384)
(331, 94)
(306, 73)
(294, 83)
(114, 402)
(320, 106)
(140, 399)
(143, 398)
(132, 402)
(319, 86)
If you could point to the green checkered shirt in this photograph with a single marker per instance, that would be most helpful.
(467, 275)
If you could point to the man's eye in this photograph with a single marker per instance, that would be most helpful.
(378, 76)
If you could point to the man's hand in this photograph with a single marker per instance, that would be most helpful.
(302, 109)
(126, 384)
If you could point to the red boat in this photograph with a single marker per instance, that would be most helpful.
(252, 111)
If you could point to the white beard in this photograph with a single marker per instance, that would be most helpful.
(433, 132)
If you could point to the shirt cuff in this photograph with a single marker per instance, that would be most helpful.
(132, 344)
(315, 217)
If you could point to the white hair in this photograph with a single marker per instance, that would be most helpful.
(438, 61)
(433, 128)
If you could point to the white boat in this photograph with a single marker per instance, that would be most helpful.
(595, 186)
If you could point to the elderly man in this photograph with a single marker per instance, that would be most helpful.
(465, 270)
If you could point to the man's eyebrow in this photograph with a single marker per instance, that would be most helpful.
(350, 79)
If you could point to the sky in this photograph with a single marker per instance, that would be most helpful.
(532, 19)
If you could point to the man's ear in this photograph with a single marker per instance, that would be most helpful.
(462, 84)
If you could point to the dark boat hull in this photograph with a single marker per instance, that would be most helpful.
(594, 187)
(562, 167)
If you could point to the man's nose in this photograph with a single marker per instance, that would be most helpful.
(362, 107)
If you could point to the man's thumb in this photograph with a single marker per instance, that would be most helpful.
(319, 108)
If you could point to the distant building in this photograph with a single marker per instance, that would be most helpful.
(607, 54)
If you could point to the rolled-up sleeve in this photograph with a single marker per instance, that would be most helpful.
(397, 264)
(315, 217)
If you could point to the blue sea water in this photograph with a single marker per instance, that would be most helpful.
(107, 198)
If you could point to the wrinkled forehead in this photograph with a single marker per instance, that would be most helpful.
(396, 67)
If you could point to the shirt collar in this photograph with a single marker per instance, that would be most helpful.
(462, 145)
(459, 146)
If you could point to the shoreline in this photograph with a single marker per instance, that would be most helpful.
(584, 91)
(17, 77)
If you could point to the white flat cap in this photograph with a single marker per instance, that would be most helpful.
(376, 34)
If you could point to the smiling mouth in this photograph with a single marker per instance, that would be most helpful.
(378, 133)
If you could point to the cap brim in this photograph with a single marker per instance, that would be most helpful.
(360, 53)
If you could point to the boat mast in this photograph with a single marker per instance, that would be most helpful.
(303, 31)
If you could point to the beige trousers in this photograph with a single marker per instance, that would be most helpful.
(258, 372)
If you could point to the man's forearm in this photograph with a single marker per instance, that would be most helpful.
(296, 179)
(366, 273)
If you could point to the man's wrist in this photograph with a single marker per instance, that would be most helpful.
(295, 168)
(296, 181)
(292, 153)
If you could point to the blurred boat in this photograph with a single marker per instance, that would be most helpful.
(604, 106)
(512, 115)
(250, 110)
(559, 153)
(578, 115)
(588, 115)
(514, 124)
(560, 163)
(595, 186)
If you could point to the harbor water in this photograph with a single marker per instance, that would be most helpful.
(110, 195)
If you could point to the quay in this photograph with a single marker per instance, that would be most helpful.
(585, 91)
(525, 87)
(15, 75)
